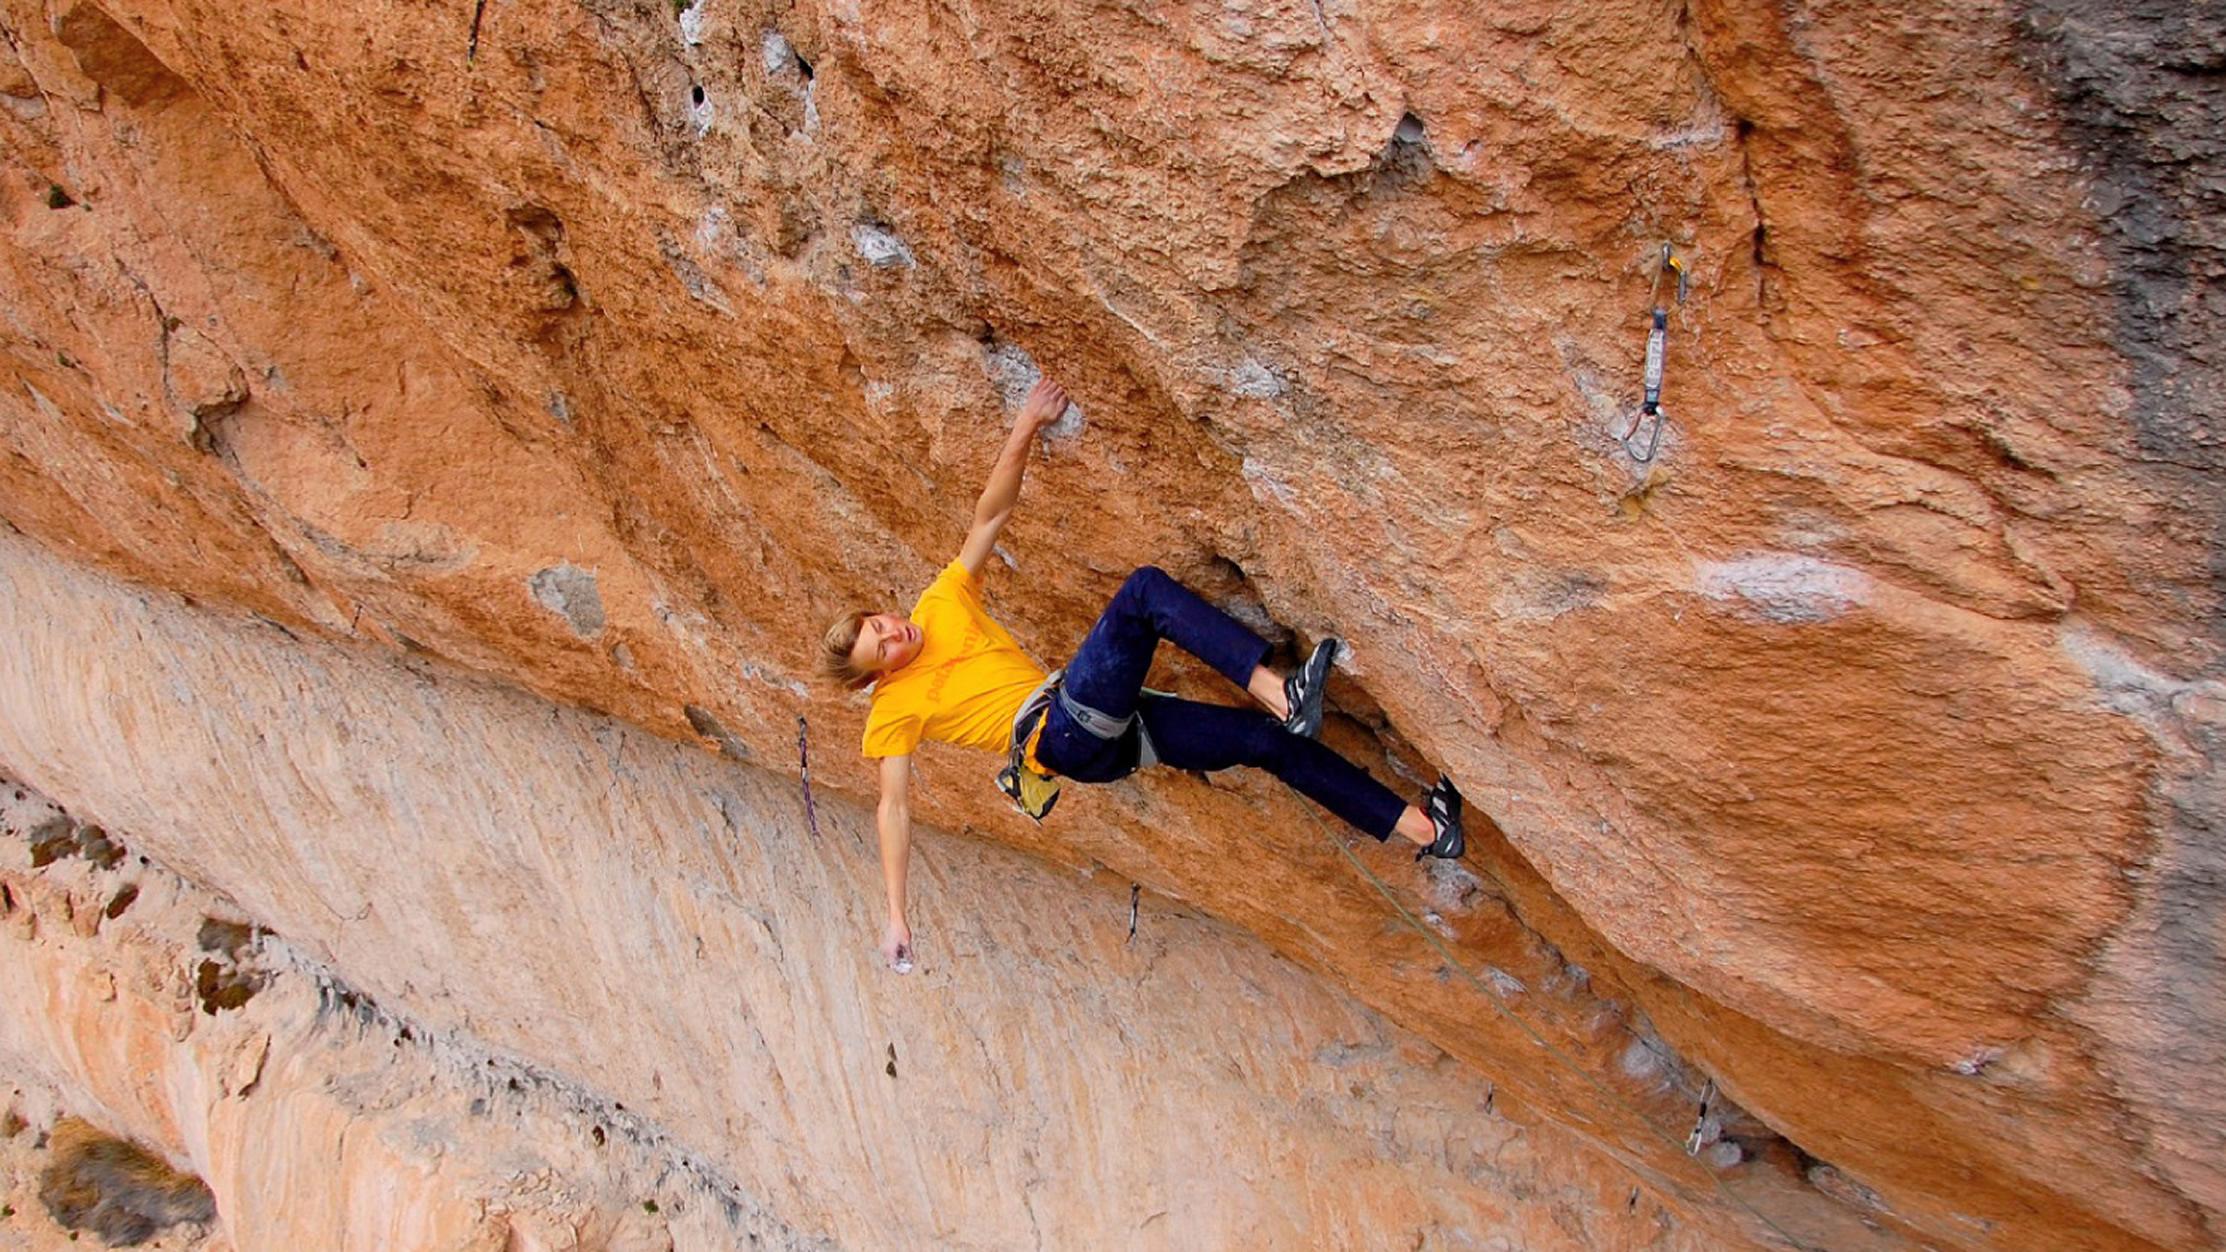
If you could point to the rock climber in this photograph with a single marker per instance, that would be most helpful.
(950, 673)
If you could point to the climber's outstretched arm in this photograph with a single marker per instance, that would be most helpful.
(1047, 401)
(894, 820)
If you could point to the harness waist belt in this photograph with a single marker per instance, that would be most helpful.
(1034, 789)
(1107, 727)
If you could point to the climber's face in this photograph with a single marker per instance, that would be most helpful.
(886, 643)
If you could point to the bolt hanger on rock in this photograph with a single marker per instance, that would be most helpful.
(1657, 347)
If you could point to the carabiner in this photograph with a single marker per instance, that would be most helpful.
(1654, 438)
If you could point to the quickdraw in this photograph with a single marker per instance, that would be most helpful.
(1697, 1140)
(1657, 349)
(804, 767)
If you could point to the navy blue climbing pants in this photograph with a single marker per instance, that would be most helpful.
(1107, 675)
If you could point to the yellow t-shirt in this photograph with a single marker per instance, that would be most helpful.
(966, 684)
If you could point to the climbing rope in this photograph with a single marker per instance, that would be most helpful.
(1483, 985)
(1657, 351)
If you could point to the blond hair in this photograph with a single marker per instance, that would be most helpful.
(836, 664)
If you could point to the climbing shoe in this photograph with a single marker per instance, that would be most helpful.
(1443, 807)
(1303, 691)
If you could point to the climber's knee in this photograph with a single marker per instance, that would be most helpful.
(1143, 587)
(1144, 579)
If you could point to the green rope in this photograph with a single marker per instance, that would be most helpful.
(1431, 937)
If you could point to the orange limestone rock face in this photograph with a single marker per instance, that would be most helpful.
(1843, 763)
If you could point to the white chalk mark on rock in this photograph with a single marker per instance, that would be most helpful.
(880, 246)
(1014, 373)
(779, 57)
(1786, 588)
(2133, 689)
(1251, 380)
(1267, 488)
(569, 592)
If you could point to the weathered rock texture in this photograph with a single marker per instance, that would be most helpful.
(1862, 748)
(679, 957)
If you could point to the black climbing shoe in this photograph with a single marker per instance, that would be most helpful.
(1303, 691)
(1443, 807)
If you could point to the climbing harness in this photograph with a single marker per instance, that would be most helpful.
(1114, 729)
(1657, 347)
(1033, 789)
(1587, 1076)
(804, 766)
